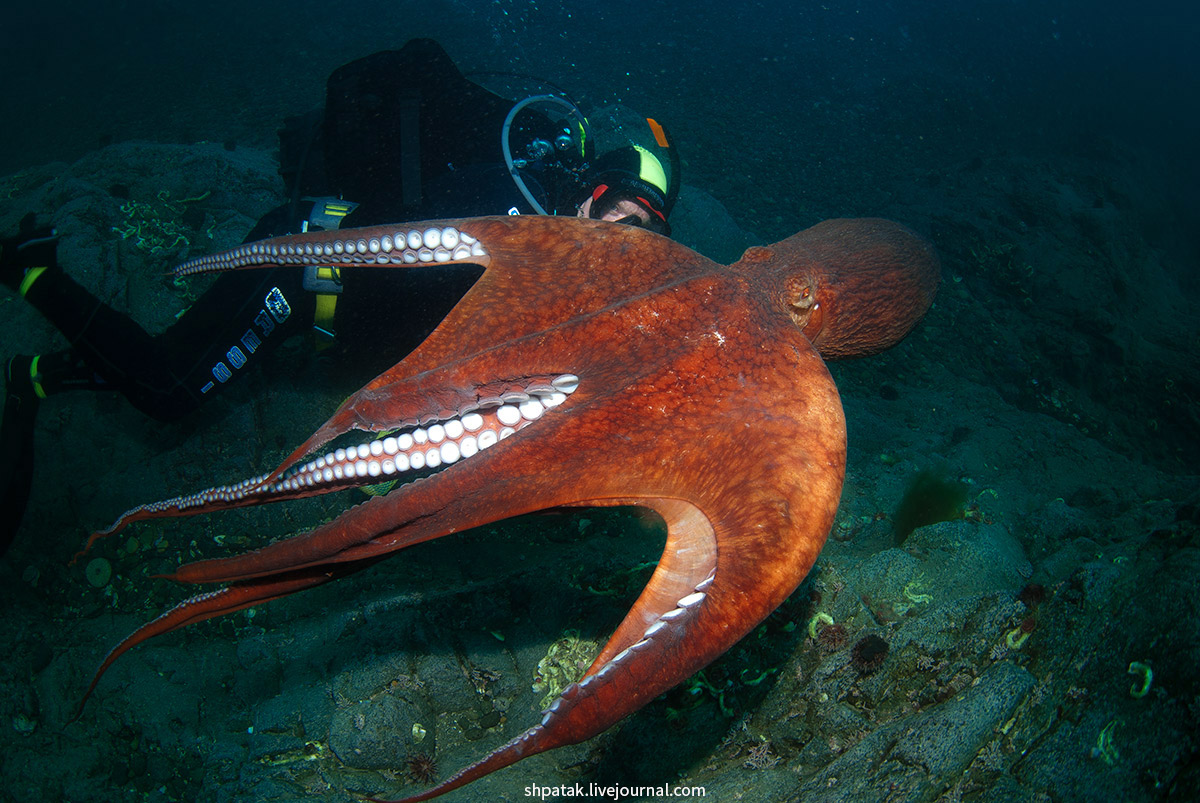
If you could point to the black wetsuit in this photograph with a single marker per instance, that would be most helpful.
(361, 148)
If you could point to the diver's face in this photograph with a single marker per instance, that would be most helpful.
(620, 210)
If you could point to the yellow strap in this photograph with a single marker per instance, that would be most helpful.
(323, 319)
(31, 276)
(323, 316)
(326, 307)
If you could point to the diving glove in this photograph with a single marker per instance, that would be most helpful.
(25, 255)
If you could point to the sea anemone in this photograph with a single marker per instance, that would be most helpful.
(420, 768)
(868, 653)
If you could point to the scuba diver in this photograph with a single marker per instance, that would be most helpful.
(403, 136)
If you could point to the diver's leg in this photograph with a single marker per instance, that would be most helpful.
(230, 329)
(242, 317)
(16, 446)
(28, 380)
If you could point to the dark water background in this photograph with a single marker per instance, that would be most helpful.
(777, 99)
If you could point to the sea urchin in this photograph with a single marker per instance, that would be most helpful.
(868, 653)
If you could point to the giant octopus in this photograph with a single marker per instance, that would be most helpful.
(591, 365)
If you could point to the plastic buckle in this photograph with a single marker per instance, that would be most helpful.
(327, 214)
(322, 279)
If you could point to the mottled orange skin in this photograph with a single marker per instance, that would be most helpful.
(702, 395)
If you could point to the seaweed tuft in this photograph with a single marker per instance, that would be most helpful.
(932, 496)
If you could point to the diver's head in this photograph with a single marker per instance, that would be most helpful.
(629, 185)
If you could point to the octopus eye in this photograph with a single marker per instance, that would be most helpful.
(799, 299)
